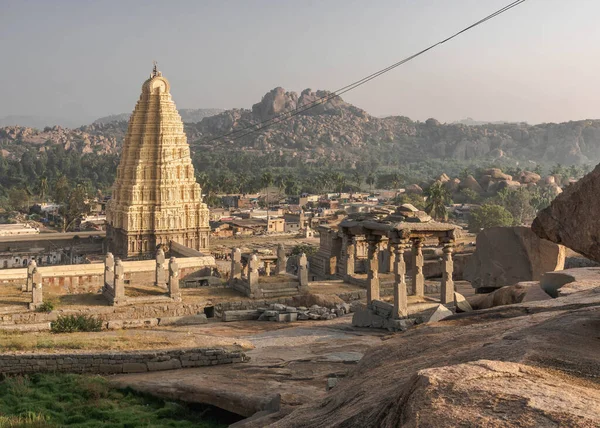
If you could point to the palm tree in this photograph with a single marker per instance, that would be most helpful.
(280, 181)
(370, 180)
(358, 179)
(437, 198)
(43, 188)
(267, 181)
(396, 179)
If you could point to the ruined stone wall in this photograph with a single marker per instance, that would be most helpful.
(124, 362)
(111, 313)
(89, 278)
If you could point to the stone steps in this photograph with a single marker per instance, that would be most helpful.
(282, 292)
(278, 285)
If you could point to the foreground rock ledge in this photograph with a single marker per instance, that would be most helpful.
(530, 364)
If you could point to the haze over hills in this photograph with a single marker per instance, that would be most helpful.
(187, 115)
(339, 131)
(39, 122)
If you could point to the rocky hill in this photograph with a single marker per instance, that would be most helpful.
(340, 131)
(188, 115)
(87, 139)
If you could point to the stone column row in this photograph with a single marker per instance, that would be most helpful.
(114, 279)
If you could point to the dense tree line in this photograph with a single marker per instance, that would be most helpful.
(55, 175)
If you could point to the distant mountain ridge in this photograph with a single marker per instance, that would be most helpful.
(338, 131)
(189, 115)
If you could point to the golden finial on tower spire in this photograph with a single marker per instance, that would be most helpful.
(154, 69)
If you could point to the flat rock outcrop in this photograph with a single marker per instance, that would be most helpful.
(573, 219)
(508, 255)
(531, 365)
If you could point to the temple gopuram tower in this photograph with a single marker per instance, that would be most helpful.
(155, 197)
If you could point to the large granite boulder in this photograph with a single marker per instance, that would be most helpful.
(508, 255)
(472, 184)
(573, 218)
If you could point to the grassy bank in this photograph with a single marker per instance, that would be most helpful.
(119, 340)
(51, 400)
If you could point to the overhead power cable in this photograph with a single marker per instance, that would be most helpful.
(336, 94)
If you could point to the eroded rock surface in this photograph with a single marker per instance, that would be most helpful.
(508, 255)
(531, 364)
(573, 219)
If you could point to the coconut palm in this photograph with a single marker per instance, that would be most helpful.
(357, 179)
(43, 188)
(267, 181)
(370, 180)
(437, 198)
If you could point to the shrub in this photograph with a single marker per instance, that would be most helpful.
(45, 307)
(309, 250)
(74, 323)
(489, 215)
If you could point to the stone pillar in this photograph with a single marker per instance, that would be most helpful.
(29, 284)
(418, 277)
(281, 260)
(173, 283)
(400, 292)
(109, 271)
(36, 289)
(236, 266)
(350, 259)
(392, 257)
(448, 269)
(373, 272)
(303, 272)
(267, 268)
(160, 277)
(119, 283)
(253, 273)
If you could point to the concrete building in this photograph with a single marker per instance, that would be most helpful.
(156, 198)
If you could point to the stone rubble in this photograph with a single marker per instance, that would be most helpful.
(282, 313)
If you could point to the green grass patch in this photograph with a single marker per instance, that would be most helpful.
(56, 400)
(73, 323)
(47, 306)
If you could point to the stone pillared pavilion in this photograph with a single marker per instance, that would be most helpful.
(156, 199)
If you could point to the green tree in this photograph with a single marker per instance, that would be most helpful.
(518, 203)
(411, 198)
(358, 178)
(267, 181)
(62, 189)
(541, 198)
(489, 215)
(467, 196)
(17, 199)
(370, 180)
(75, 206)
(437, 198)
(291, 186)
(43, 188)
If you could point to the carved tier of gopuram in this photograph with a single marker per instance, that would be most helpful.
(386, 240)
(156, 198)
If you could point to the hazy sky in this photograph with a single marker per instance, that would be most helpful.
(539, 62)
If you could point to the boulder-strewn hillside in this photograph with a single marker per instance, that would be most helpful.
(340, 131)
(190, 115)
(87, 139)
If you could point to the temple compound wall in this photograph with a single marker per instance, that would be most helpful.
(156, 199)
(92, 278)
